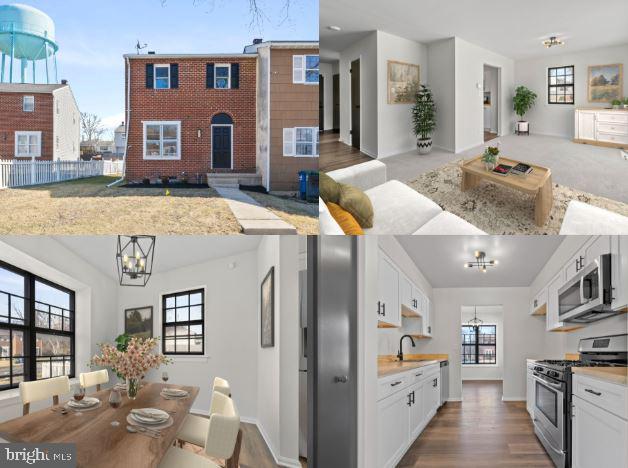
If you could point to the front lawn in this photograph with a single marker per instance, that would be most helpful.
(88, 207)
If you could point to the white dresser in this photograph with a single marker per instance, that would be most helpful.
(605, 127)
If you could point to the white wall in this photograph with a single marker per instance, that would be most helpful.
(95, 299)
(557, 119)
(491, 316)
(470, 60)
(523, 335)
(394, 121)
(230, 326)
(327, 72)
(491, 111)
(442, 81)
(66, 125)
(365, 50)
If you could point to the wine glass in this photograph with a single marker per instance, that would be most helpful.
(78, 392)
(115, 400)
(164, 376)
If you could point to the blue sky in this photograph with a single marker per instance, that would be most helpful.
(93, 35)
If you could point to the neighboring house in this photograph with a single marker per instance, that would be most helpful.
(254, 113)
(119, 140)
(287, 111)
(39, 122)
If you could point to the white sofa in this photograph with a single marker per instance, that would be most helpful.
(584, 219)
(397, 208)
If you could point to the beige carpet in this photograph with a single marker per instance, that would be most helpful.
(499, 210)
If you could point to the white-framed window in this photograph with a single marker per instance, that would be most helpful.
(301, 142)
(222, 76)
(162, 76)
(305, 69)
(162, 140)
(28, 104)
(27, 144)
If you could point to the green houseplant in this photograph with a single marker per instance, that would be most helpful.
(616, 103)
(626, 103)
(424, 119)
(523, 101)
(489, 157)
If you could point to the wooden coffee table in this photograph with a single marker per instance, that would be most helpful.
(538, 183)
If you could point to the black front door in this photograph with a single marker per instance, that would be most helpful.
(321, 103)
(221, 147)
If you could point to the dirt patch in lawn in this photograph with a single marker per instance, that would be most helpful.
(303, 216)
(87, 206)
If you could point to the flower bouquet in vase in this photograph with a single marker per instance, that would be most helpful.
(132, 363)
(490, 157)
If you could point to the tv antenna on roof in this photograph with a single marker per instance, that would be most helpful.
(139, 46)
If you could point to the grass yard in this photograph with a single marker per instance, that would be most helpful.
(303, 216)
(88, 207)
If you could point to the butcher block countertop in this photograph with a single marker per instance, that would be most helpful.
(618, 375)
(389, 365)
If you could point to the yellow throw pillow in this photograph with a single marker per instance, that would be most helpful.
(356, 202)
(345, 220)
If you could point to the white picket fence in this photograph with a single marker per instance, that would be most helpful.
(22, 173)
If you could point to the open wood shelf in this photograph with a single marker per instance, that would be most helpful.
(385, 325)
(410, 313)
(567, 328)
(542, 310)
(419, 336)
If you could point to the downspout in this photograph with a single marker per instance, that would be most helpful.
(126, 124)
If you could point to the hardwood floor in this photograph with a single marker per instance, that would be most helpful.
(254, 453)
(489, 136)
(336, 155)
(480, 431)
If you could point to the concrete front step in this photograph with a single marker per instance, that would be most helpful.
(232, 180)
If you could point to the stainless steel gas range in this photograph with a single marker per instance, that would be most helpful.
(552, 385)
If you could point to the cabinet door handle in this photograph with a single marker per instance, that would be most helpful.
(413, 397)
(341, 379)
(593, 392)
(435, 384)
(384, 309)
(379, 307)
(394, 384)
(419, 374)
(409, 399)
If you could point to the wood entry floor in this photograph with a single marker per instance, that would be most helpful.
(336, 155)
(480, 431)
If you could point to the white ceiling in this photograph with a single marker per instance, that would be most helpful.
(171, 252)
(441, 259)
(514, 28)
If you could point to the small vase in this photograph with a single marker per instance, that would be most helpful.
(132, 387)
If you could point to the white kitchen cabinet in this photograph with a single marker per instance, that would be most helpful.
(406, 294)
(619, 271)
(530, 389)
(585, 125)
(431, 395)
(538, 306)
(392, 428)
(599, 423)
(596, 246)
(388, 309)
(427, 318)
(552, 301)
(417, 410)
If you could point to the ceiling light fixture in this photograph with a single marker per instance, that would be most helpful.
(480, 262)
(475, 321)
(334, 28)
(553, 41)
(134, 259)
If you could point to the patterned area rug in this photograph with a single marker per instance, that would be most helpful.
(500, 210)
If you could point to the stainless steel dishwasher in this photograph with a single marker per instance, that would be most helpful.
(444, 382)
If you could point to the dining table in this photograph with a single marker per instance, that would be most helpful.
(98, 443)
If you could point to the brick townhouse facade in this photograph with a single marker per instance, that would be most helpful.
(219, 113)
(39, 121)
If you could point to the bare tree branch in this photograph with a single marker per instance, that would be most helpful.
(91, 127)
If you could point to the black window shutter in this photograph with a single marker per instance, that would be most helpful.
(235, 75)
(210, 75)
(150, 75)
(174, 75)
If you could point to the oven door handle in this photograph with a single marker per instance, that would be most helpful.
(549, 384)
(540, 432)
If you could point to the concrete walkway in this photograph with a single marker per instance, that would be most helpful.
(253, 217)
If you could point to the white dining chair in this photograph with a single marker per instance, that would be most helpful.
(194, 428)
(223, 439)
(97, 378)
(41, 389)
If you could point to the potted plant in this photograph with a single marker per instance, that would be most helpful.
(626, 103)
(424, 119)
(130, 358)
(490, 157)
(165, 179)
(523, 101)
(616, 103)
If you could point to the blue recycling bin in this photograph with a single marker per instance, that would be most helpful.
(308, 185)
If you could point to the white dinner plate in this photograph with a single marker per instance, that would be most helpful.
(86, 402)
(160, 416)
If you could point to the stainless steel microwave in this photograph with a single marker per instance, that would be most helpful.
(587, 296)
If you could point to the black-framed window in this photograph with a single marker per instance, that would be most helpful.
(183, 323)
(560, 85)
(479, 344)
(36, 328)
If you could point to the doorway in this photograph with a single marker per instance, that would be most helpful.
(321, 103)
(336, 103)
(355, 103)
(491, 102)
(222, 142)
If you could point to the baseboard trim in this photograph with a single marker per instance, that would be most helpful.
(454, 399)
(505, 398)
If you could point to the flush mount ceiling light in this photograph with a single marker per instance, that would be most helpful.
(334, 28)
(475, 321)
(480, 262)
(134, 259)
(552, 41)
